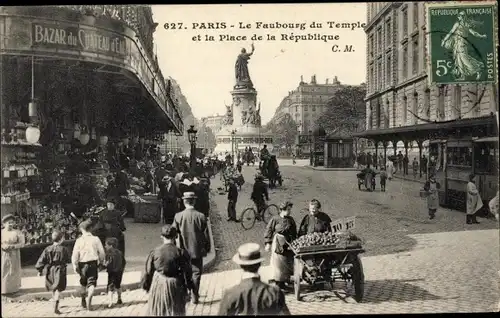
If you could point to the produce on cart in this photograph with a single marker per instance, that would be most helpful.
(323, 258)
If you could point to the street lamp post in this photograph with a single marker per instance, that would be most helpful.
(192, 141)
(310, 148)
(233, 145)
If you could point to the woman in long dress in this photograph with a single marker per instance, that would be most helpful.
(432, 187)
(389, 168)
(281, 229)
(12, 241)
(474, 202)
(167, 277)
(465, 65)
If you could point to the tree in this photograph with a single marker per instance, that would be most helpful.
(285, 132)
(345, 112)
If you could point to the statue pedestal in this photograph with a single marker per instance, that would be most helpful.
(246, 125)
(226, 142)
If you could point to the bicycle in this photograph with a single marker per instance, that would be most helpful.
(249, 215)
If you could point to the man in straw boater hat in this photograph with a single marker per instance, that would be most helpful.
(192, 227)
(252, 296)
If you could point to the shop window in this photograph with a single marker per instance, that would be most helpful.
(485, 158)
(459, 156)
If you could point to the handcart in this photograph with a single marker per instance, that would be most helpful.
(318, 264)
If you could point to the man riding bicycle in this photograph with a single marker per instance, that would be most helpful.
(259, 194)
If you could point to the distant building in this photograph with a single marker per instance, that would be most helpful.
(306, 103)
(213, 122)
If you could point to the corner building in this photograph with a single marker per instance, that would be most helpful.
(405, 113)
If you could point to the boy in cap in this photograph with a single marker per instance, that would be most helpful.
(88, 253)
(115, 265)
(53, 260)
(252, 296)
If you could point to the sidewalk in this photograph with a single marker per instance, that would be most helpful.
(33, 287)
(320, 168)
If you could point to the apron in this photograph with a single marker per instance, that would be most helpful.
(281, 265)
(474, 202)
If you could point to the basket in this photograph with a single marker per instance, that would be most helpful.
(147, 212)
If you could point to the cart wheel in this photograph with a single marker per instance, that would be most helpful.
(248, 218)
(270, 211)
(297, 276)
(358, 279)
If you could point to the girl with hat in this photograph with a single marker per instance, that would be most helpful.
(280, 230)
(12, 241)
(167, 277)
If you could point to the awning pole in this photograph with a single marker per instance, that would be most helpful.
(32, 78)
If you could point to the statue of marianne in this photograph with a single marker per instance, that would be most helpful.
(241, 69)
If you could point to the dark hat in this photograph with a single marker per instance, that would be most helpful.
(248, 254)
(285, 205)
(259, 176)
(168, 231)
(189, 195)
(8, 217)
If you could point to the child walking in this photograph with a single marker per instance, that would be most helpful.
(88, 253)
(115, 265)
(383, 178)
(54, 260)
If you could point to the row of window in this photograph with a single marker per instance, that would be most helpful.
(377, 76)
(414, 113)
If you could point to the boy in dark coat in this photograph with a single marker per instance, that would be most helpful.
(115, 265)
(54, 260)
(232, 198)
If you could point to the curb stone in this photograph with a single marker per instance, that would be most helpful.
(135, 284)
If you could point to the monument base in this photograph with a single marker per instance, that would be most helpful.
(242, 139)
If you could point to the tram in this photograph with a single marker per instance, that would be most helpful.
(453, 160)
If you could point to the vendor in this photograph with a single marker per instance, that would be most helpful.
(280, 230)
(316, 221)
(113, 224)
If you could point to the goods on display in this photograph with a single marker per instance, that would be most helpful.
(327, 239)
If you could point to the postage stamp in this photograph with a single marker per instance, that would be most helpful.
(462, 42)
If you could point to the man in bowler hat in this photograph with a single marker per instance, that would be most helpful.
(194, 237)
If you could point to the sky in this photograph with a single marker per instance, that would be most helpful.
(205, 69)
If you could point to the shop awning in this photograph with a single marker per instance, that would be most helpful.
(425, 130)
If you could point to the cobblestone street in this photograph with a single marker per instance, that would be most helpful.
(411, 264)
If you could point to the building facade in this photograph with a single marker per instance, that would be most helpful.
(307, 102)
(214, 122)
(398, 93)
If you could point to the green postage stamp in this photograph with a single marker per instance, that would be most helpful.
(462, 41)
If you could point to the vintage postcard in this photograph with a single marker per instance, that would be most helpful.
(249, 159)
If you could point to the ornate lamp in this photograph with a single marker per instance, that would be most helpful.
(84, 137)
(192, 134)
(32, 134)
